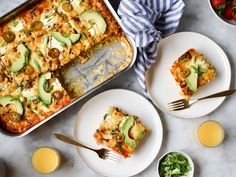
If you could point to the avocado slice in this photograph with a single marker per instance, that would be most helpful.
(74, 38)
(45, 96)
(127, 124)
(68, 40)
(60, 38)
(5, 100)
(192, 80)
(137, 131)
(24, 59)
(96, 21)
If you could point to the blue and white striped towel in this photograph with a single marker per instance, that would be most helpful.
(147, 22)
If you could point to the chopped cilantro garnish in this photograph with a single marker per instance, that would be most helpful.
(15, 23)
(37, 65)
(114, 131)
(174, 165)
(199, 70)
(183, 60)
(120, 147)
(105, 116)
(3, 44)
(83, 36)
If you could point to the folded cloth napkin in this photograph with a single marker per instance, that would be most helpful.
(147, 22)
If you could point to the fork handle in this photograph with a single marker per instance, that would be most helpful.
(68, 140)
(220, 94)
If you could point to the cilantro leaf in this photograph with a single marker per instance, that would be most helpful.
(183, 60)
(174, 165)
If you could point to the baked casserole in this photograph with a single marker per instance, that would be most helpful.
(36, 44)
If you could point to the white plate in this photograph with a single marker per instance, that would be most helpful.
(89, 118)
(162, 87)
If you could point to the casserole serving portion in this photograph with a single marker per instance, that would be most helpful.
(39, 45)
(191, 71)
(120, 131)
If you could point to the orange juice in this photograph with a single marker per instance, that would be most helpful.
(210, 133)
(45, 160)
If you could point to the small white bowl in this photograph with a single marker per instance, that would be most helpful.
(231, 23)
(190, 174)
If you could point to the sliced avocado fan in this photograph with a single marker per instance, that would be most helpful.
(5, 100)
(95, 20)
(68, 39)
(129, 122)
(192, 80)
(20, 63)
(45, 96)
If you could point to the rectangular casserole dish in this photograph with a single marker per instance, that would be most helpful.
(87, 76)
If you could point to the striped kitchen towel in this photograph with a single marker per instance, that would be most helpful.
(147, 22)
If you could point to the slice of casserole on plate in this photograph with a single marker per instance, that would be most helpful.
(191, 71)
(120, 131)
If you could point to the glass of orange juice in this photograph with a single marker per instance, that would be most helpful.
(210, 133)
(46, 160)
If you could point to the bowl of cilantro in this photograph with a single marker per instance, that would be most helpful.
(175, 164)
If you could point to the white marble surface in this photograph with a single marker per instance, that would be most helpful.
(178, 133)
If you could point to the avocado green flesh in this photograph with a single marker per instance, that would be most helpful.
(137, 132)
(192, 80)
(44, 96)
(5, 100)
(125, 130)
(74, 38)
(71, 39)
(20, 63)
(97, 19)
(60, 38)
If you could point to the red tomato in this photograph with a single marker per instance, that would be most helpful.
(216, 3)
(228, 13)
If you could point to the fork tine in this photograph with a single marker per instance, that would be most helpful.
(177, 101)
(116, 156)
(175, 105)
(113, 153)
(111, 158)
(178, 108)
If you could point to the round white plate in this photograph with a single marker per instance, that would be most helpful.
(162, 87)
(89, 118)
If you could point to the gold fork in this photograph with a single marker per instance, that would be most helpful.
(103, 153)
(184, 103)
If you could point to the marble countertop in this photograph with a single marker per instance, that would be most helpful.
(178, 133)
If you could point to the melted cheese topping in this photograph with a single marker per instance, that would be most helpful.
(17, 26)
(56, 44)
(48, 18)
